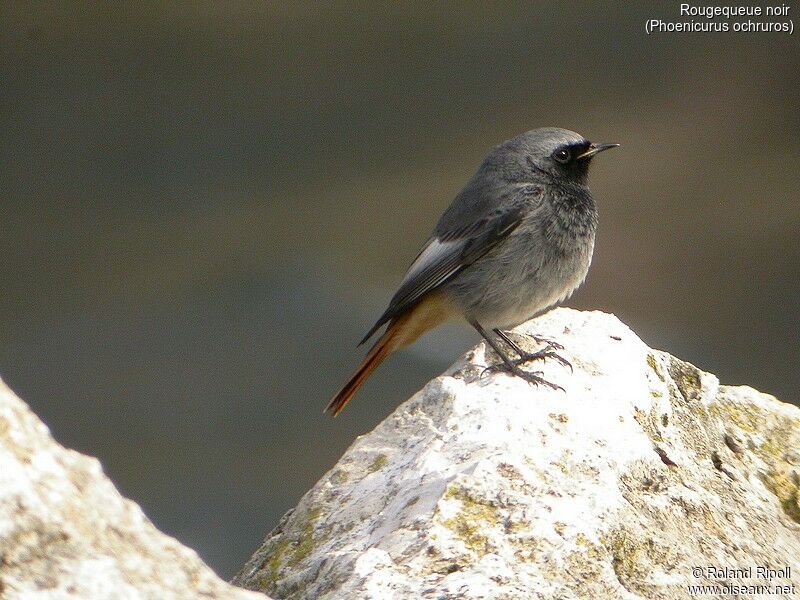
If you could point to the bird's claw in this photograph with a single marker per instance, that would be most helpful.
(560, 359)
(546, 352)
(534, 377)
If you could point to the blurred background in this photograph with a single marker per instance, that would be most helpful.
(206, 205)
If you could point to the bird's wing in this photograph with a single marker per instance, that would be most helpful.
(447, 253)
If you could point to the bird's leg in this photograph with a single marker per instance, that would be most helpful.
(525, 356)
(512, 366)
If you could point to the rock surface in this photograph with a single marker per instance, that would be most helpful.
(66, 532)
(634, 483)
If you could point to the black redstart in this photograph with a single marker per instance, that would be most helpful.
(515, 241)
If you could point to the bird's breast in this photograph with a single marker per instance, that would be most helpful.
(541, 263)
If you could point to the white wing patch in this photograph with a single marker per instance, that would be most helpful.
(435, 252)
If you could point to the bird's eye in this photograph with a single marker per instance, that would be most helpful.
(562, 155)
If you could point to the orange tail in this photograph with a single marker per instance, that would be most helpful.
(402, 331)
(387, 344)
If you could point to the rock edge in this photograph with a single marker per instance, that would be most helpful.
(67, 533)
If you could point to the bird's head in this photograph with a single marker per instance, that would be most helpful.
(549, 153)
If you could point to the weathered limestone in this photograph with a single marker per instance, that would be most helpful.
(487, 487)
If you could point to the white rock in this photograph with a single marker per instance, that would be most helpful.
(67, 533)
(487, 487)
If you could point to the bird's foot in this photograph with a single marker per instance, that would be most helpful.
(535, 378)
(546, 352)
(532, 377)
(513, 366)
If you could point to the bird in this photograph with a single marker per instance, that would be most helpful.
(515, 241)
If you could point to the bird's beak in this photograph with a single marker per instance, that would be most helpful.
(595, 149)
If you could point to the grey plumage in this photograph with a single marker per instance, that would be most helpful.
(516, 240)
